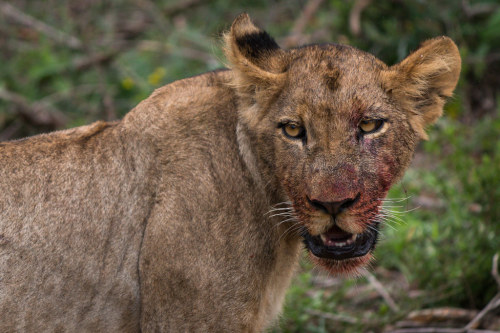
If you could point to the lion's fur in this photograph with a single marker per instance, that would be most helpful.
(159, 222)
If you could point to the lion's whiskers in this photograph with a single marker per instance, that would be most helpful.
(279, 209)
(293, 228)
(392, 217)
(282, 214)
(394, 199)
(389, 215)
(290, 219)
(385, 221)
(400, 211)
(284, 208)
(289, 203)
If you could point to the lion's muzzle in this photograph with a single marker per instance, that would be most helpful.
(340, 245)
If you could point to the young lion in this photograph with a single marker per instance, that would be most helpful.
(190, 213)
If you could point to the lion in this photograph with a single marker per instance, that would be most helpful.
(191, 212)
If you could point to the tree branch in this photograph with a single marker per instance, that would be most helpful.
(477, 9)
(180, 6)
(333, 317)
(23, 18)
(382, 291)
(297, 35)
(494, 270)
(355, 16)
(101, 58)
(34, 113)
(495, 301)
(439, 330)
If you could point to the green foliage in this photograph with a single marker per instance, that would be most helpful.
(450, 248)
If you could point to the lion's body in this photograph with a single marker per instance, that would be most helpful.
(72, 261)
(163, 221)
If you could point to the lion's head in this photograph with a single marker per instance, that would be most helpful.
(335, 127)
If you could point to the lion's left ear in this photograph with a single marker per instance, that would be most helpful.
(424, 80)
(255, 58)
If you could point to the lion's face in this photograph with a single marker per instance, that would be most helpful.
(339, 144)
(334, 128)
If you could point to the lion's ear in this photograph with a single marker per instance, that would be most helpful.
(424, 80)
(254, 56)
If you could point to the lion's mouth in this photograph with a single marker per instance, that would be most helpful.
(340, 245)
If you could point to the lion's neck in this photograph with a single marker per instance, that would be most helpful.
(288, 243)
(248, 155)
(259, 169)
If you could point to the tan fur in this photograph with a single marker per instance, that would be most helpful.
(164, 221)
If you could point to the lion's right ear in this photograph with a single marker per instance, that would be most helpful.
(256, 59)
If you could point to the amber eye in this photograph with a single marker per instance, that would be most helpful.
(370, 125)
(293, 131)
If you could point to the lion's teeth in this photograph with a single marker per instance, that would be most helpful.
(352, 239)
(323, 238)
(329, 242)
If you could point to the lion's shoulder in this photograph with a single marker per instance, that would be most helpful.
(198, 87)
(55, 141)
(187, 110)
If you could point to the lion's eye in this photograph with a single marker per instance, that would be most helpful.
(370, 125)
(293, 131)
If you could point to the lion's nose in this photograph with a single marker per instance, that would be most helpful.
(334, 208)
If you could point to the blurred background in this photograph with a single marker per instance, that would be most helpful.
(68, 63)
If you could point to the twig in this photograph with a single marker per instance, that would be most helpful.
(477, 9)
(23, 18)
(494, 270)
(9, 132)
(297, 33)
(71, 93)
(355, 16)
(155, 13)
(382, 291)
(81, 64)
(34, 113)
(439, 330)
(190, 53)
(334, 317)
(180, 6)
(495, 301)
(474, 323)
(442, 314)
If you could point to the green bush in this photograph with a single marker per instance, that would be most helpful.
(449, 249)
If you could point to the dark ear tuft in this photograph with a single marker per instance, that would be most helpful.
(252, 52)
(252, 41)
(258, 63)
(257, 44)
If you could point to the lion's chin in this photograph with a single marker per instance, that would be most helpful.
(352, 267)
(341, 252)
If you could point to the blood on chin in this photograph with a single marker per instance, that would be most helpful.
(351, 268)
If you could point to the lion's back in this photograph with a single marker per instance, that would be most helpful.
(64, 231)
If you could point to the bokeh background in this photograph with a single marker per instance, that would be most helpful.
(68, 63)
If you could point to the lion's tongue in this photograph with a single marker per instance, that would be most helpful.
(336, 237)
